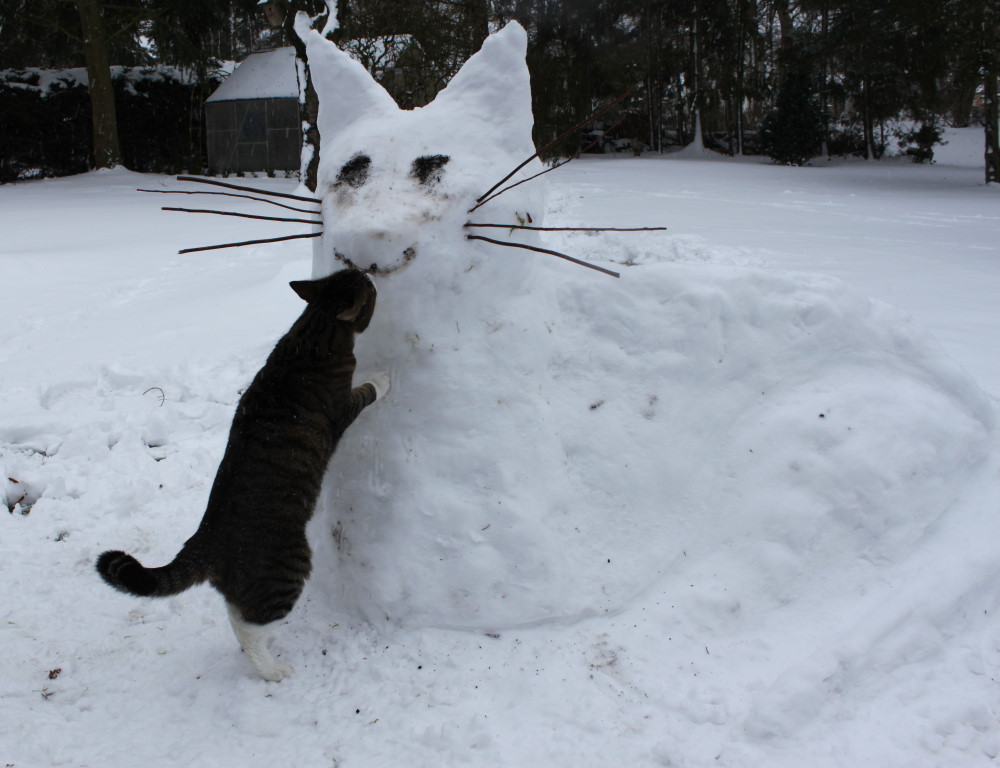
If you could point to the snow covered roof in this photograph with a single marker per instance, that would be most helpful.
(267, 75)
(271, 74)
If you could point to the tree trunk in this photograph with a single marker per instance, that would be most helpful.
(991, 121)
(962, 94)
(478, 23)
(824, 84)
(868, 125)
(696, 80)
(654, 81)
(784, 21)
(740, 74)
(989, 66)
(107, 153)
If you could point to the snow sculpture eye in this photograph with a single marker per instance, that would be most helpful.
(355, 170)
(427, 169)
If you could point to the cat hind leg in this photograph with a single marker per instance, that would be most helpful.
(254, 639)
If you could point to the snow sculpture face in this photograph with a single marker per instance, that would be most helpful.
(396, 184)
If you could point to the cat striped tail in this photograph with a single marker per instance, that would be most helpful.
(126, 574)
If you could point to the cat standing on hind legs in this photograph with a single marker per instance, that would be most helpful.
(251, 544)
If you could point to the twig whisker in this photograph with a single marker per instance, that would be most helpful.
(483, 201)
(249, 242)
(227, 194)
(566, 229)
(552, 143)
(241, 215)
(536, 249)
(285, 195)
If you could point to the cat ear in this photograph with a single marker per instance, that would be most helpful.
(494, 84)
(346, 91)
(351, 313)
(306, 290)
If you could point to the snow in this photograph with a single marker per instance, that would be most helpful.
(266, 75)
(736, 508)
(46, 81)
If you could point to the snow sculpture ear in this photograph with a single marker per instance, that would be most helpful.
(346, 91)
(494, 84)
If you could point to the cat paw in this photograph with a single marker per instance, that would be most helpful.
(381, 383)
(276, 672)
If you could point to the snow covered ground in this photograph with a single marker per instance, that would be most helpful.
(789, 401)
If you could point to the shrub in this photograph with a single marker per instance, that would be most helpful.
(46, 129)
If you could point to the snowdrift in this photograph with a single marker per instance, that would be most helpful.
(711, 513)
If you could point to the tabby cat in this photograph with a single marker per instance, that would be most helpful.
(251, 544)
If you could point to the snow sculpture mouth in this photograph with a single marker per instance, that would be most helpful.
(379, 268)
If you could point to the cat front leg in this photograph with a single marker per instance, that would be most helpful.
(364, 395)
(254, 639)
(380, 382)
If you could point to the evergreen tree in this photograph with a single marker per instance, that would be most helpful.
(717, 60)
(793, 132)
(579, 56)
(442, 35)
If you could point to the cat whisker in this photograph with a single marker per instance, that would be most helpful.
(228, 194)
(285, 195)
(536, 249)
(566, 229)
(250, 242)
(241, 215)
(551, 144)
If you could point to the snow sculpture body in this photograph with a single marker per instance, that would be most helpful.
(464, 329)
(509, 479)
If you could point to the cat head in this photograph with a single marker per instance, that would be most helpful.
(396, 185)
(348, 295)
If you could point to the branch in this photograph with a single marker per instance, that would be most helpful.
(249, 242)
(241, 215)
(527, 247)
(48, 22)
(249, 189)
(568, 229)
(227, 194)
(484, 200)
(552, 143)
